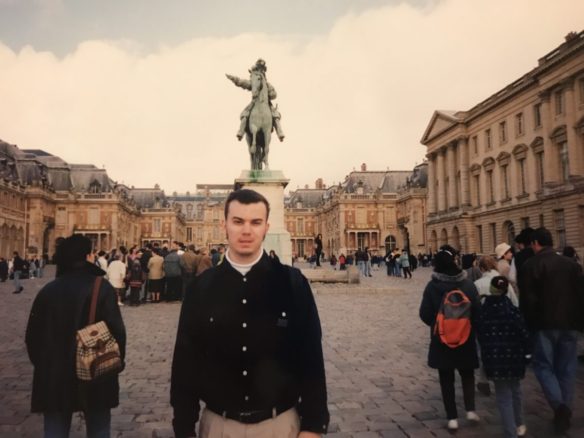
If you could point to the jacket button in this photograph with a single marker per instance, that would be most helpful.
(244, 348)
(244, 373)
(244, 325)
(244, 301)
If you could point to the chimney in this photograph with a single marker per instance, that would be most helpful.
(306, 186)
(363, 167)
(318, 184)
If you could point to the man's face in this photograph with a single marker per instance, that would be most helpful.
(246, 227)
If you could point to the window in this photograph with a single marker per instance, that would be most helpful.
(189, 234)
(488, 139)
(505, 181)
(156, 225)
(361, 240)
(503, 132)
(490, 186)
(493, 227)
(559, 102)
(477, 190)
(300, 226)
(521, 168)
(519, 124)
(93, 216)
(524, 222)
(581, 89)
(480, 238)
(537, 115)
(539, 163)
(560, 227)
(541, 221)
(564, 160)
(475, 144)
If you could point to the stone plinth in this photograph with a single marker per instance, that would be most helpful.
(271, 184)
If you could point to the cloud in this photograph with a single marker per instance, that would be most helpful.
(364, 92)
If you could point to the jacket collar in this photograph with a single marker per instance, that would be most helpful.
(449, 278)
(83, 268)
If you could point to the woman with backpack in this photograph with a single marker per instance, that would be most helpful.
(449, 306)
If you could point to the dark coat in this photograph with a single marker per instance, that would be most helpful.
(265, 323)
(550, 292)
(59, 310)
(503, 338)
(441, 356)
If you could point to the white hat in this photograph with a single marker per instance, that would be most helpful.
(502, 249)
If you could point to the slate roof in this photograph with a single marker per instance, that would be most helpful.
(310, 198)
(146, 198)
(384, 181)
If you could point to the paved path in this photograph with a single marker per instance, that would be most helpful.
(375, 349)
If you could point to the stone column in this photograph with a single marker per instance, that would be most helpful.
(453, 201)
(464, 171)
(440, 177)
(431, 183)
(575, 154)
(550, 169)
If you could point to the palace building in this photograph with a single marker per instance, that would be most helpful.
(374, 209)
(514, 160)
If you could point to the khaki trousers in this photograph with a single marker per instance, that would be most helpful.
(285, 425)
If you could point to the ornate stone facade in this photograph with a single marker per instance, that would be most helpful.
(45, 199)
(513, 160)
(204, 213)
(361, 211)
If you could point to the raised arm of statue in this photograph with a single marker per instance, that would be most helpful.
(271, 92)
(242, 83)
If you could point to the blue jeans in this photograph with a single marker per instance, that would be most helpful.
(17, 285)
(508, 394)
(97, 424)
(554, 363)
(361, 267)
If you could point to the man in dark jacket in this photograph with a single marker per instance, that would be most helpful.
(60, 309)
(3, 269)
(550, 299)
(17, 270)
(249, 341)
(173, 273)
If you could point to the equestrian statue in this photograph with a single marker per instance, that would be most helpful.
(260, 117)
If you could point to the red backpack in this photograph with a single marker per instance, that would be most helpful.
(453, 319)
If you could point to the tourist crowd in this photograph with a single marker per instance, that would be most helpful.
(499, 315)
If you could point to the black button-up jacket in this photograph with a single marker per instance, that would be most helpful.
(249, 343)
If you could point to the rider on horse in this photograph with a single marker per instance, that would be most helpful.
(260, 66)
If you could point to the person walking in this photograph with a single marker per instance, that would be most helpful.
(3, 270)
(501, 328)
(405, 263)
(59, 310)
(447, 277)
(18, 266)
(318, 248)
(249, 342)
(136, 277)
(550, 298)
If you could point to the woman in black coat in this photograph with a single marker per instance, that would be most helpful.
(59, 310)
(446, 277)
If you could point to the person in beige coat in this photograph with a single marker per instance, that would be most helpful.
(155, 275)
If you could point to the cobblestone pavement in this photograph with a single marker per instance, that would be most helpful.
(375, 349)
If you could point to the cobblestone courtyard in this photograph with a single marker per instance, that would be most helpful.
(375, 350)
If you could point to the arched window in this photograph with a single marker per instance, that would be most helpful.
(456, 238)
(509, 232)
(390, 243)
(443, 237)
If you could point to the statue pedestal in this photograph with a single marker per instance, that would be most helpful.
(271, 184)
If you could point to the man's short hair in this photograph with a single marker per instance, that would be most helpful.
(73, 250)
(101, 253)
(543, 237)
(246, 197)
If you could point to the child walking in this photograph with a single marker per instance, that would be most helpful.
(505, 350)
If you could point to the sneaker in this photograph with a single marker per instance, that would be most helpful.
(472, 417)
(120, 303)
(521, 430)
(17, 291)
(452, 425)
(484, 388)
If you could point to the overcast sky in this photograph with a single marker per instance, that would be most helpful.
(138, 86)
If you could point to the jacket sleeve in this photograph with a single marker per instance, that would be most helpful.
(113, 317)
(427, 310)
(313, 408)
(528, 292)
(183, 389)
(34, 329)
